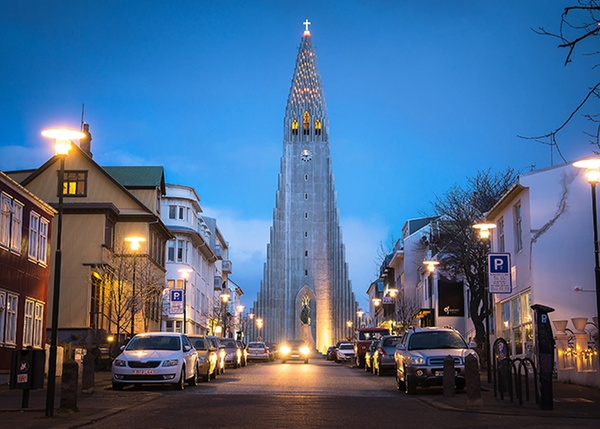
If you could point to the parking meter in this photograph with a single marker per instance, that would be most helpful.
(544, 341)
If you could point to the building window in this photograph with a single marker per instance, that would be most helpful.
(306, 123)
(306, 253)
(306, 196)
(28, 323)
(10, 333)
(305, 272)
(75, 183)
(5, 215)
(501, 247)
(181, 213)
(180, 251)
(11, 221)
(43, 248)
(38, 325)
(34, 230)
(171, 251)
(2, 315)
(295, 127)
(318, 127)
(306, 177)
(517, 328)
(518, 227)
(305, 215)
(172, 212)
(16, 227)
(109, 233)
(305, 234)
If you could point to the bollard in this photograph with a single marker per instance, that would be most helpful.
(87, 376)
(473, 382)
(68, 386)
(449, 376)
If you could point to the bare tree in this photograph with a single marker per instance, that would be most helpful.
(405, 311)
(460, 251)
(577, 29)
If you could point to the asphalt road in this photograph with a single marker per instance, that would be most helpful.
(296, 395)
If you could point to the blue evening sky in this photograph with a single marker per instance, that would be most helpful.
(420, 96)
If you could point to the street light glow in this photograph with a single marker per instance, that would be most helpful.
(134, 242)
(430, 265)
(484, 229)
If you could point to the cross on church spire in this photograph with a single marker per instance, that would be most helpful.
(306, 24)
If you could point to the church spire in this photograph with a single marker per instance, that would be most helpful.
(306, 109)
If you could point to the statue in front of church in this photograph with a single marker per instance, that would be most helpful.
(305, 313)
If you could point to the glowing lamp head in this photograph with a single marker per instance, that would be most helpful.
(484, 229)
(376, 301)
(393, 292)
(185, 272)
(360, 313)
(225, 297)
(592, 169)
(431, 265)
(62, 138)
(134, 242)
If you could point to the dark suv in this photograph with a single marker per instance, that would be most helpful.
(420, 357)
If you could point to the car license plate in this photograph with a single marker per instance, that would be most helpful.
(143, 371)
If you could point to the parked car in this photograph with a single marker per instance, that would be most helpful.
(383, 354)
(362, 341)
(233, 355)
(257, 350)
(420, 357)
(207, 356)
(330, 355)
(294, 349)
(220, 353)
(273, 351)
(156, 358)
(242, 347)
(344, 352)
(369, 356)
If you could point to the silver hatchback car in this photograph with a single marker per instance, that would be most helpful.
(156, 358)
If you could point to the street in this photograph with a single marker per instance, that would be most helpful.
(295, 395)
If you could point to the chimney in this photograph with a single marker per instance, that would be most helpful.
(86, 143)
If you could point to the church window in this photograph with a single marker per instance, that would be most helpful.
(306, 177)
(305, 215)
(306, 253)
(306, 123)
(305, 272)
(318, 127)
(295, 127)
(306, 196)
(305, 234)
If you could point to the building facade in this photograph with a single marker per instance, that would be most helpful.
(25, 232)
(305, 293)
(191, 263)
(545, 224)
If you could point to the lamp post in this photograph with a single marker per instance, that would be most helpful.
(62, 138)
(359, 314)
(376, 303)
(240, 328)
(259, 325)
(185, 272)
(224, 300)
(484, 234)
(349, 325)
(592, 172)
(251, 325)
(431, 266)
(134, 245)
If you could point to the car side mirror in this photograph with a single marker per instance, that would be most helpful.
(186, 348)
(122, 348)
(401, 346)
(472, 345)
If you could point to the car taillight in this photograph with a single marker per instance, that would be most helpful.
(382, 352)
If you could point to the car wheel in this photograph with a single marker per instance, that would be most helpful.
(409, 385)
(213, 375)
(194, 380)
(180, 385)
(117, 386)
(399, 382)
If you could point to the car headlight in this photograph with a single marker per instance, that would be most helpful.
(171, 362)
(304, 350)
(284, 350)
(119, 362)
(417, 360)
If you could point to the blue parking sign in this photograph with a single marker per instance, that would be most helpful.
(176, 295)
(499, 276)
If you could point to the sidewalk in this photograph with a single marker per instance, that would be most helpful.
(570, 401)
(103, 402)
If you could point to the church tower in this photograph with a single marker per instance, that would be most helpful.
(305, 293)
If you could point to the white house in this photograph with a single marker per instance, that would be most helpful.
(545, 223)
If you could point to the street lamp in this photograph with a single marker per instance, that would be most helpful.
(430, 265)
(484, 234)
(62, 144)
(240, 328)
(259, 325)
(349, 325)
(185, 272)
(360, 313)
(134, 245)
(251, 326)
(225, 299)
(592, 172)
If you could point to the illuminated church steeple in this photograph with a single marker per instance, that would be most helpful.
(305, 292)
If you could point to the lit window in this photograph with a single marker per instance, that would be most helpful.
(306, 123)
(295, 127)
(75, 183)
(318, 127)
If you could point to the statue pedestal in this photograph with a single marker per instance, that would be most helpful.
(307, 336)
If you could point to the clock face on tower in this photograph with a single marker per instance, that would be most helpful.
(306, 155)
